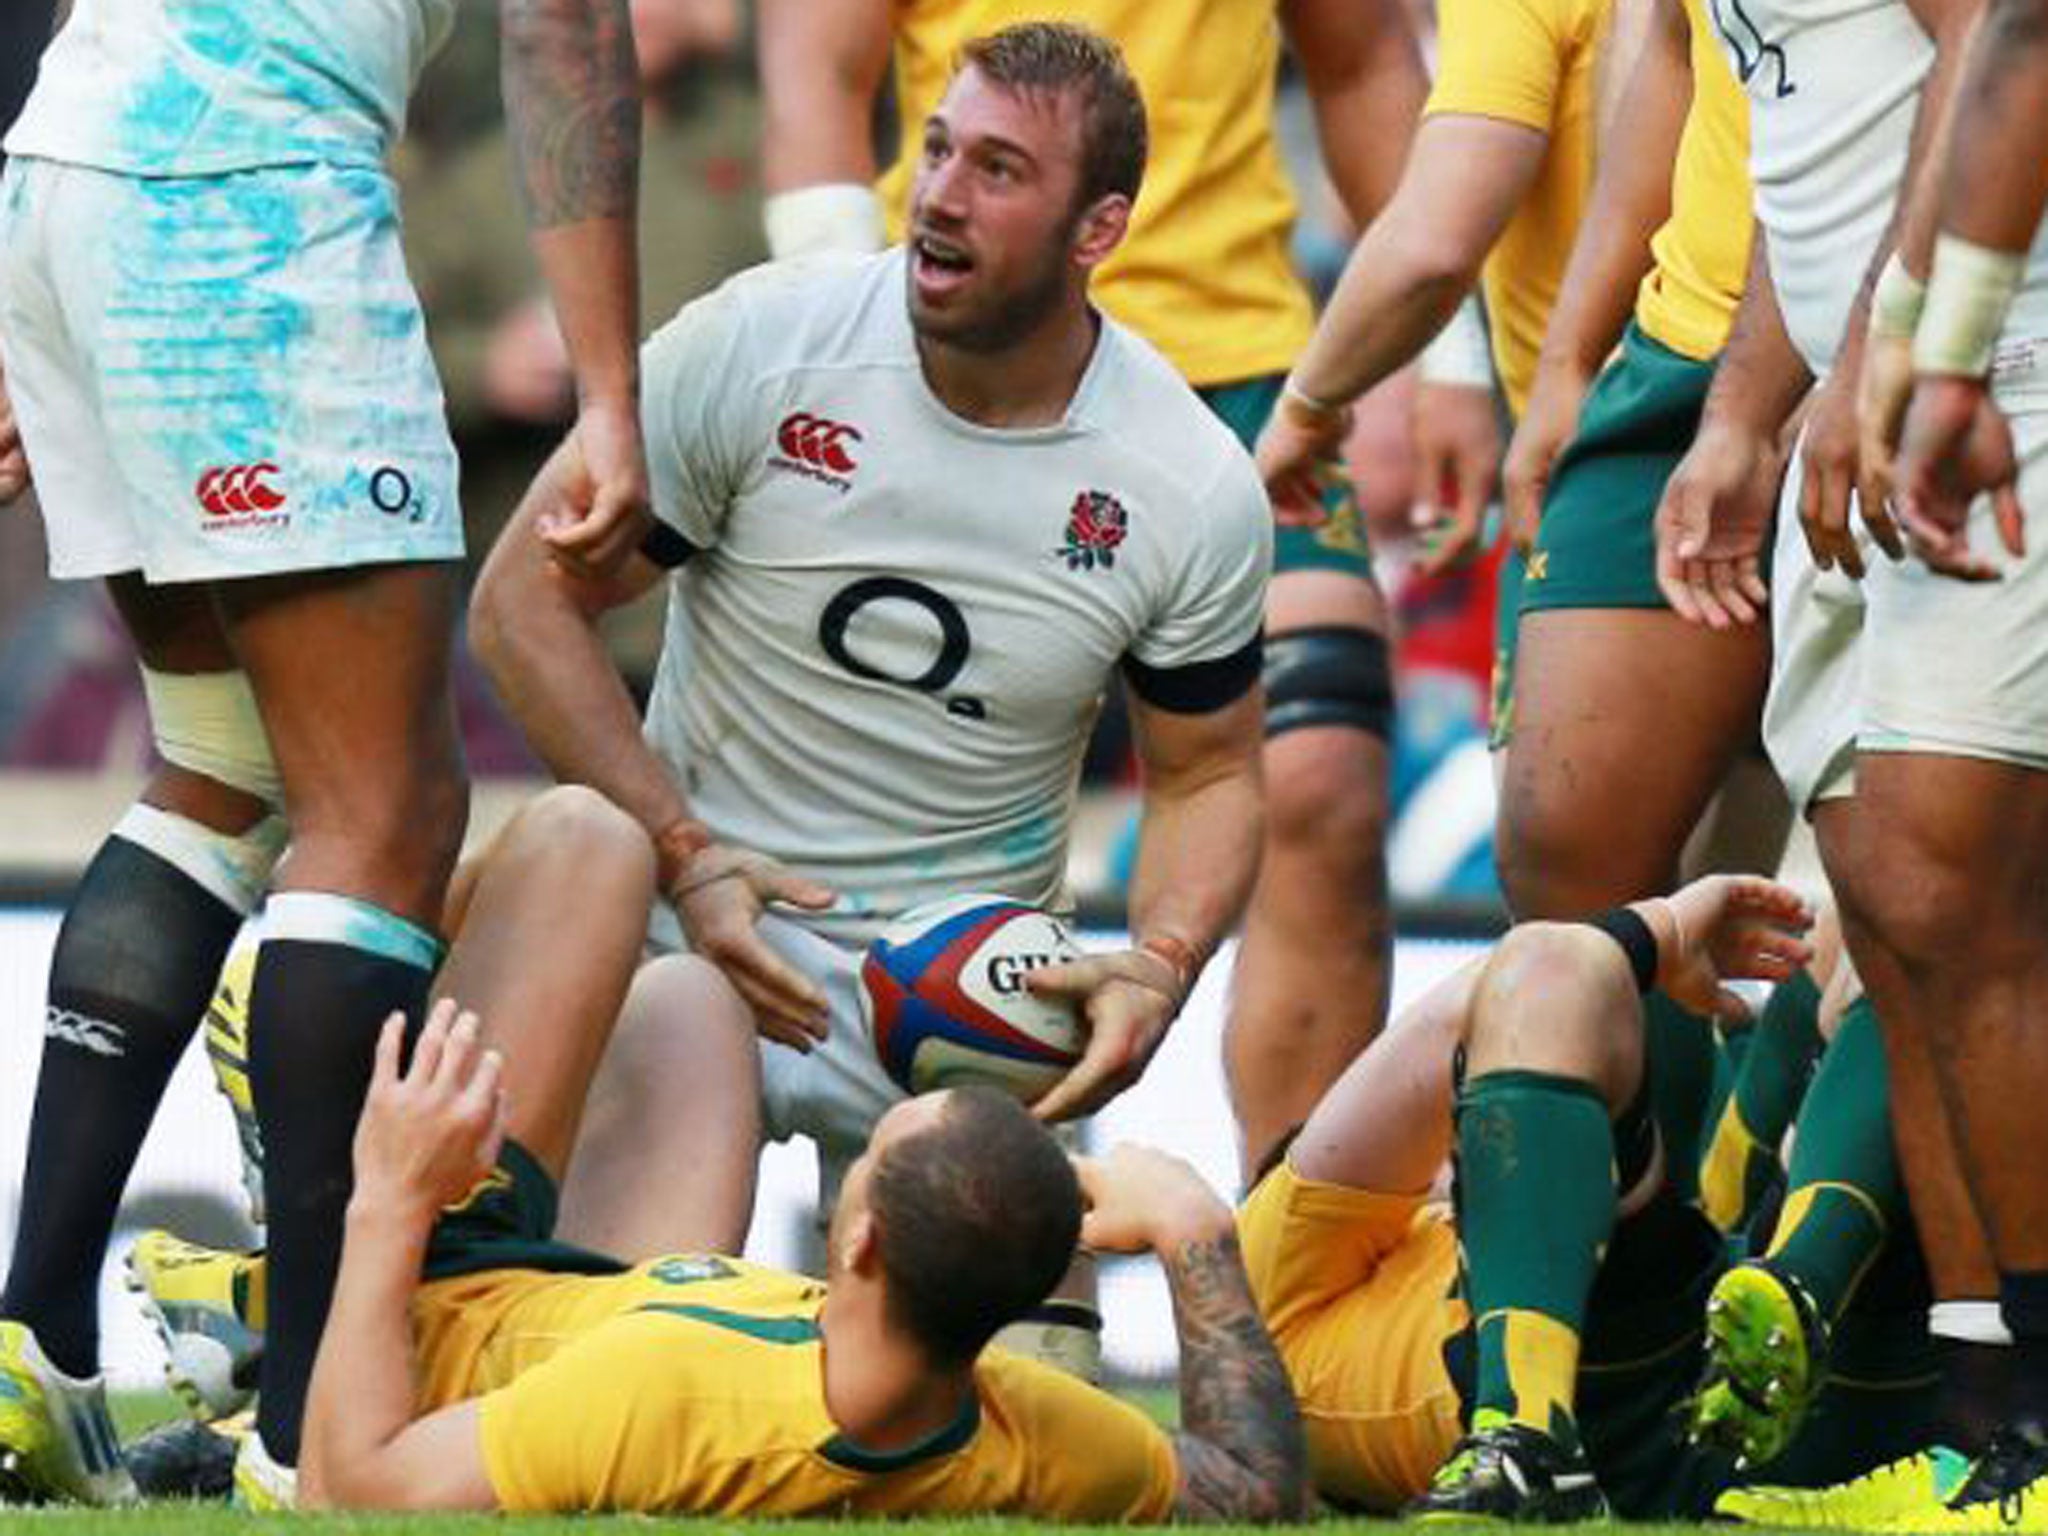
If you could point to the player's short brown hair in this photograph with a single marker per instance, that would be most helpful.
(1057, 57)
(976, 1218)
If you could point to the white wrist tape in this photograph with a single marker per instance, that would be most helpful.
(840, 216)
(1461, 355)
(1968, 294)
(1897, 302)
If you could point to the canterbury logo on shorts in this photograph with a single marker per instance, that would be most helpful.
(227, 490)
(95, 1035)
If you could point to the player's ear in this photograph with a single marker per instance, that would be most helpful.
(1100, 229)
(860, 1246)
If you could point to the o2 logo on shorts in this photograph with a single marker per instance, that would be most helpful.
(240, 496)
(392, 493)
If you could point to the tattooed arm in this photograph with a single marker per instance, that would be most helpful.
(572, 104)
(1240, 1449)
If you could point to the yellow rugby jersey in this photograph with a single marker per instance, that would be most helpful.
(694, 1385)
(1531, 62)
(1687, 300)
(1205, 273)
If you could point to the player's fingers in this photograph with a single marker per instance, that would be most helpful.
(1834, 520)
(797, 890)
(477, 1098)
(458, 1054)
(1727, 577)
(390, 1046)
(1071, 978)
(433, 1040)
(1809, 521)
(2010, 517)
(768, 981)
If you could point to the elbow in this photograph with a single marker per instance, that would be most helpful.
(1431, 263)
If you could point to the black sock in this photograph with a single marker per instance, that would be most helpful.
(136, 960)
(2023, 1298)
(329, 972)
(1971, 1400)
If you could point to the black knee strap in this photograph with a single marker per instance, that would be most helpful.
(1329, 674)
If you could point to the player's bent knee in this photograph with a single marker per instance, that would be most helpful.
(1329, 675)
(207, 723)
(576, 822)
(1541, 1002)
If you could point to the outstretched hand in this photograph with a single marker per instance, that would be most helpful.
(1729, 928)
(1126, 999)
(719, 896)
(1140, 1198)
(429, 1132)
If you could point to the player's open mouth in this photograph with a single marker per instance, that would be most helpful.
(938, 264)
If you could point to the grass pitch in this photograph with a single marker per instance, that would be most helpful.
(137, 1412)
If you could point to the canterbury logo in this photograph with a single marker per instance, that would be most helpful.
(95, 1035)
(815, 441)
(239, 488)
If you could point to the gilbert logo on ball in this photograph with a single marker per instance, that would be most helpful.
(946, 993)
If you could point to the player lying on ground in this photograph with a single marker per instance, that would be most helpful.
(1543, 1382)
(522, 1373)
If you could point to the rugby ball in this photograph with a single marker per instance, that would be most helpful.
(943, 988)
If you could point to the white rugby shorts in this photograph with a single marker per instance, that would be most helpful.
(1817, 620)
(1961, 669)
(221, 376)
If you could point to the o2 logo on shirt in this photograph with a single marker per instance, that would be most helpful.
(835, 634)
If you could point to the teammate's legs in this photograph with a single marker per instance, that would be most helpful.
(671, 1138)
(1626, 722)
(1962, 910)
(351, 673)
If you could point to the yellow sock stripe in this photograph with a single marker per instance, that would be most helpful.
(1724, 1171)
(1799, 1206)
(1542, 1356)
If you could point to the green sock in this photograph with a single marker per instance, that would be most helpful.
(1780, 1059)
(1844, 1191)
(1680, 1055)
(1535, 1206)
(1741, 1161)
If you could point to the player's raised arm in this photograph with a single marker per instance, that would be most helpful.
(1240, 1449)
(822, 63)
(1464, 178)
(572, 106)
(427, 1134)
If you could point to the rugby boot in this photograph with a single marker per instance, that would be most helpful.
(185, 1459)
(206, 1304)
(57, 1442)
(2006, 1490)
(1503, 1471)
(1767, 1350)
(263, 1486)
(1924, 1481)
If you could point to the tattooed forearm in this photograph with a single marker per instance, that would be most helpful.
(1241, 1451)
(572, 102)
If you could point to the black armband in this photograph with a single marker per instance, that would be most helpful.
(1628, 929)
(666, 547)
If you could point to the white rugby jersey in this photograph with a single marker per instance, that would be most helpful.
(893, 628)
(1833, 85)
(200, 87)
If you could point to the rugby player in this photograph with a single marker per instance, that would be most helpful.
(224, 393)
(1206, 275)
(1626, 718)
(1843, 111)
(1491, 194)
(1543, 1383)
(920, 507)
(526, 1374)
